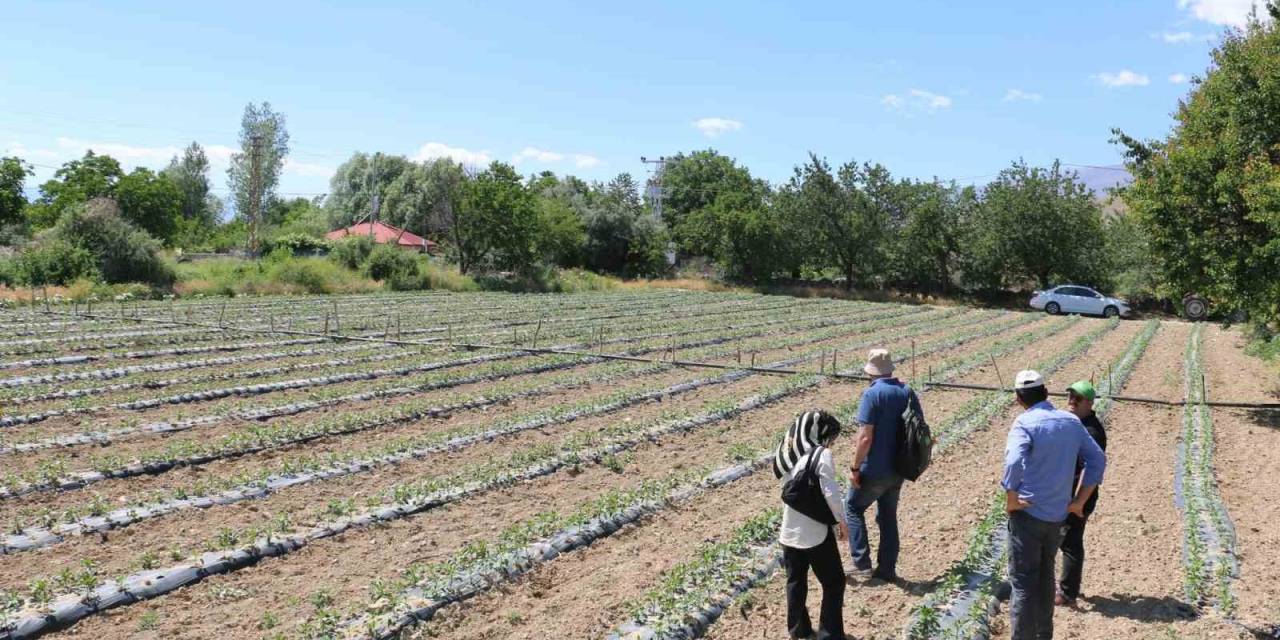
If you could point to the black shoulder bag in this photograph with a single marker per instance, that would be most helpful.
(803, 493)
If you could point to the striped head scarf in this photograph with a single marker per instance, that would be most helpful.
(810, 429)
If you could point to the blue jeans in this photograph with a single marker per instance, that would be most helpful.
(1033, 548)
(882, 491)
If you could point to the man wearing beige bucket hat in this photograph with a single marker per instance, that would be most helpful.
(872, 474)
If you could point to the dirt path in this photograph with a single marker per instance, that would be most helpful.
(935, 516)
(1247, 465)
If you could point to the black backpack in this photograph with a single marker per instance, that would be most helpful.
(803, 493)
(915, 442)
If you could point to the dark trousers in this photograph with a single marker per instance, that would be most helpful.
(1072, 556)
(1033, 550)
(884, 493)
(824, 559)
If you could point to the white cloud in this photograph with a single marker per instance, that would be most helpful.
(1177, 37)
(434, 150)
(712, 127)
(1015, 95)
(1123, 78)
(1178, 78)
(128, 155)
(1233, 13)
(307, 169)
(916, 99)
(585, 161)
(540, 156)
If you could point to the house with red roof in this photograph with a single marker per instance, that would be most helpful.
(383, 233)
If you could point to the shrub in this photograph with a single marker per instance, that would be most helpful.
(122, 252)
(55, 261)
(297, 244)
(352, 251)
(387, 262)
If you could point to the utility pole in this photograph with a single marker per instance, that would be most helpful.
(255, 191)
(375, 202)
(655, 191)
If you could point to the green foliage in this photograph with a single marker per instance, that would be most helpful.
(1036, 226)
(1209, 193)
(13, 177)
(74, 184)
(561, 234)
(496, 223)
(55, 261)
(267, 126)
(352, 251)
(93, 242)
(622, 238)
(386, 263)
(191, 174)
(296, 244)
(150, 202)
(930, 240)
(1133, 268)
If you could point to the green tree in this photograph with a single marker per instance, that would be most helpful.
(496, 221)
(846, 215)
(191, 174)
(1208, 194)
(622, 237)
(561, 234)
(693, 182)
(927, 245)
(72, 185)
(119, 251)
(1036, 225)
(150, 202)
(13, 198)
(264, 139)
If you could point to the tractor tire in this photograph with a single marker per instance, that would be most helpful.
(1195, 308)
(1052, 309)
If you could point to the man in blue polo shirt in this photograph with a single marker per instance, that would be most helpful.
(872, 476)
(1039, 472)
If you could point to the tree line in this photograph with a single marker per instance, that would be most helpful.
(1201, 215)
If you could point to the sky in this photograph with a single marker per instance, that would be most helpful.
(955, 90)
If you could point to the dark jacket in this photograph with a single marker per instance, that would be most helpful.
(1099, 433)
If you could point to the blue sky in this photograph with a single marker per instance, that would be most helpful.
(948, 89)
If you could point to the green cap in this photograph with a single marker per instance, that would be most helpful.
(1083, 388)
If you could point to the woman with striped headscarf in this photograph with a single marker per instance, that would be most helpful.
(807, 543)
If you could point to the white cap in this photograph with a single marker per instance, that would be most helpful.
(1028, 379)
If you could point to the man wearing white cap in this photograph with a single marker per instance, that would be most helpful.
(1039, 471)
(872, 474)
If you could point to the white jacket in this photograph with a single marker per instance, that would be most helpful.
(800, 531)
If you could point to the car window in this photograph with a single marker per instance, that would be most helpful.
(1069, 291)
(1088, 293)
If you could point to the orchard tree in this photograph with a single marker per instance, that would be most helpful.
(1208, 195)
(693, 182)
(844, 216)
(927, 245)
(1036, 225)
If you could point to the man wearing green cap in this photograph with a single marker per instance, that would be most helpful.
(1080, 398)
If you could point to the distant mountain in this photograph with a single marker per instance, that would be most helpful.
(1101, 179)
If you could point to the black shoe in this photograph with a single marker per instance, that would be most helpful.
(890, 578)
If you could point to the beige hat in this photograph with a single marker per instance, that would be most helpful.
(879, 363)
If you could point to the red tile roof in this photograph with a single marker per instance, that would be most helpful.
(383, 234)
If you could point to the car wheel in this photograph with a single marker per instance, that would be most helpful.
(1110, 312)
(1195, 308)
(1052, 308)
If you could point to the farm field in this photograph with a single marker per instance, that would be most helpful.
(408, 465)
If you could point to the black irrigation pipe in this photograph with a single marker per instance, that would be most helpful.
(1269, 406)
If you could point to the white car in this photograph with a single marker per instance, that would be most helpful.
(1071, 298)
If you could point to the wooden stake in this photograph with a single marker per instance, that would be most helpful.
(536, 332)
(913, 359)
(223, 313)
(337, 322)
(834, 368)
(753, 359)
(999, 378)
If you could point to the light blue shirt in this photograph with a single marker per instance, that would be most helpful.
(1040, 460)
